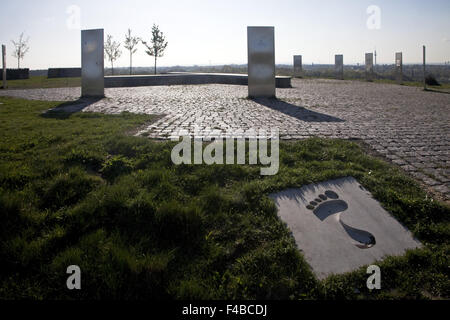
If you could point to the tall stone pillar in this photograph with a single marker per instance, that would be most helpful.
(92, 63)
(261, 62)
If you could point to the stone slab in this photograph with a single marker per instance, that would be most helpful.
(63, 72)
(17, 74)
(92, 63)
(343, 228)
(261, 62)
(185, 78)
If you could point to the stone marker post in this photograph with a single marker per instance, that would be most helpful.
(92, 63)
(5, 85)
(424, 71)
(339, 66)
(369, 66)
(399, 67)
(261, 62)
(298, 68)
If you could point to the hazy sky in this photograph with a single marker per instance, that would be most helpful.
(207, 32)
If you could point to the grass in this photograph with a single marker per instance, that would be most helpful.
(443, 86)
(78, 190)
(37, 82)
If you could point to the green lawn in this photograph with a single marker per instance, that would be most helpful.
(76, 189)
(43, 82)
(443, 86)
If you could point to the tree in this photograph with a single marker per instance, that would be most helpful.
(130, 45)
(157, 45)
(20, 49)
(112, 51)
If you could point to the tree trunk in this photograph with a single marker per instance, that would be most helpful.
(18, 63)
(112, 68)
(131, 63)
(155, 63)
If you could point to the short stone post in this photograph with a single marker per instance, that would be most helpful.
(399, 67)
(298, 68)
(339, 66)
(424, 71)
(369, 67)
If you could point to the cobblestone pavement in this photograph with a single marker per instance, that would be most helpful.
(407, 125)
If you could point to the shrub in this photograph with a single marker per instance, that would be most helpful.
(115, 166)
(431, 80)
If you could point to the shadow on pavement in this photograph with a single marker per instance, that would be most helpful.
(295, 111)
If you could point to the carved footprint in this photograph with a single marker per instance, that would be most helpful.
(328, 204)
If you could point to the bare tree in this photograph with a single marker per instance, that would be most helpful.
(112, 51)
(157, 45)
(130, 44)
(20, 49)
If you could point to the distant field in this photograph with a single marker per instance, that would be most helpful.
(36, 82)
(444, 87)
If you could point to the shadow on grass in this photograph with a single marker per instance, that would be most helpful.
(295, 111)
(66, 109)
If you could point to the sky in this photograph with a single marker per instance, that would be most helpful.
(213, 32)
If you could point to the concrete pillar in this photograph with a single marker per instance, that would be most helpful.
(92, 63)
(339, 66)
(298, 67)
(369, 66)
(399, 67)
(261, 62)
(5, 84)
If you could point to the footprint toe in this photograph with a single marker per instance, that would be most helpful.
(331, 194)
(323, 197)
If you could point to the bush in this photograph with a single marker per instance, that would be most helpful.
(115, 166)
(431, 80)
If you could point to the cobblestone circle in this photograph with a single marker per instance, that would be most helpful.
(409, 126)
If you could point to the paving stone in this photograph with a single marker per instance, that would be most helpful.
(404, 123)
